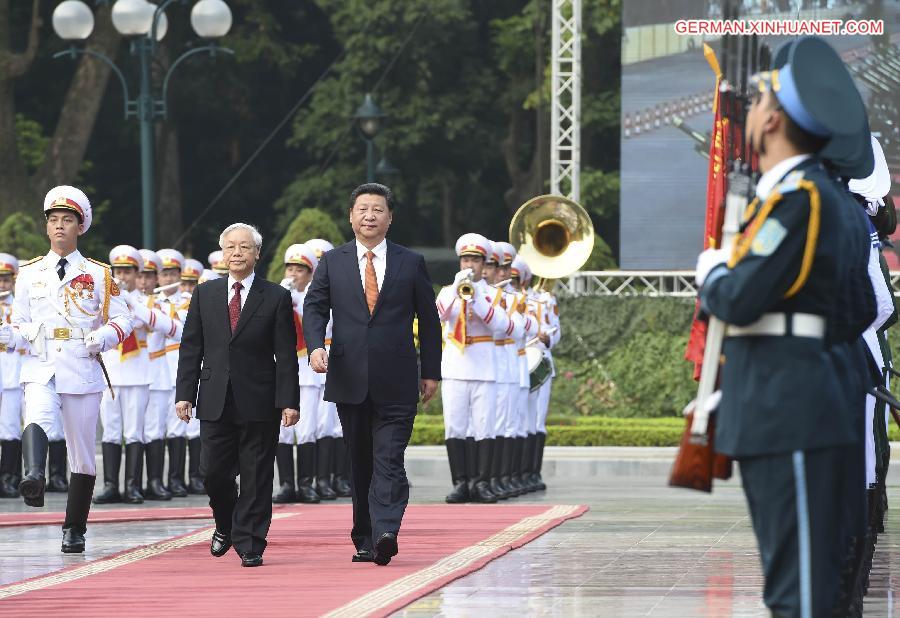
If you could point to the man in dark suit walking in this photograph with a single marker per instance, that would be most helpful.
(239, 348)
(374, 289)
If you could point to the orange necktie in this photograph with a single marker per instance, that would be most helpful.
(371, 283)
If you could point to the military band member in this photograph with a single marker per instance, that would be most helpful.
(11, 398)
(175, 304)
(217, 263)
(328, 424)
(526, 416)
(471, 319)
(191, 277)
(547, 316)
(67, 310)
(786, 412)
(299, 265)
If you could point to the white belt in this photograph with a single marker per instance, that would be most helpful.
(782, 325)
(65, 333)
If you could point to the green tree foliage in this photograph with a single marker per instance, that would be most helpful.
(21, 236)
(309, 223)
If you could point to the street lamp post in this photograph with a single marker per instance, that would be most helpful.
(368, 121)
(145, 24)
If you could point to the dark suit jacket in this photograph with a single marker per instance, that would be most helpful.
(375, 355)
(259, 359)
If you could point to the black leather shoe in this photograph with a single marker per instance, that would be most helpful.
(364, 555)
(156, 491)
(7, 487)
(196, 487)
(385, 549)
(460, 493)
(109, 495)
(323, 488)
(482, 494)
(307, 495)
(220, 544)
(72, 541)
(251, 560)
(32, 490)
(285, 494)
(499, 490)
(342, 487)
(58, 484)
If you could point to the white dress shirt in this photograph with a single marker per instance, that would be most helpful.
(379, 261)
(246, 283)
(771, 178)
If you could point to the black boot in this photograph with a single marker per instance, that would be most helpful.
(112, 463)
(324, 457)
(195, 479)
(515, 474)
(341, 463)
(479, 488)
(456, 455)
(177, 455)
(57, 480)
(284, 457)
(134, 455)
(34, 457)
(540, 441)
(77, 508)
(506, 456)
(10, 454)
(155, 451)
(528, 463)
(497, 487)
(306, 473)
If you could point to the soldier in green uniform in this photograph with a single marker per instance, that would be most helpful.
(785, 412)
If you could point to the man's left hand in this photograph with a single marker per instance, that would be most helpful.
(290, 417)
(428, 388)
(93, 343)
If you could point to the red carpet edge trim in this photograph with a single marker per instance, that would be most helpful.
(402, 592)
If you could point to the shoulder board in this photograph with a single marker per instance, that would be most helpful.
(790, 183)
(103, 264)
(31, 261)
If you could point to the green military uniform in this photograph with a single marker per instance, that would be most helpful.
(790, 395)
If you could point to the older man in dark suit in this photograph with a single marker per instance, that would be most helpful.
(374, 289)
(239, 345)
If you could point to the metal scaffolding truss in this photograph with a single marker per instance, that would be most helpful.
(672, 283)
(565, 107)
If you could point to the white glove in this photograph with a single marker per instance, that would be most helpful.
(465, 273)
(6, 334)
(708, 260)
(94, 343)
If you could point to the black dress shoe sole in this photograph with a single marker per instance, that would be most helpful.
(252, 563)
(363, 557)
(73, 549)
(220, 552)
(32, 492)
(385, 549)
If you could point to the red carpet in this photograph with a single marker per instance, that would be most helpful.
(307, 568)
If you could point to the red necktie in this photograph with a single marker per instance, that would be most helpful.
(234, 306)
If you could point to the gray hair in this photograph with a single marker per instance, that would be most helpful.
(257, 237)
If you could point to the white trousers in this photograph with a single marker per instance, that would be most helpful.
(543, 406)
(175, 427)
(305, 429)
(468, 402)
(193, 428)
(124, 415)
(522, 412)
(531, 423)
(157, 415)
(79, 413)
(11, 414)
(329, 425)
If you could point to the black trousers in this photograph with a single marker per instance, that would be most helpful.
(231, 446)
(376, 436)
(793, 497)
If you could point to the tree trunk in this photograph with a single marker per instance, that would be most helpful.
(65, 152)
(169, 224)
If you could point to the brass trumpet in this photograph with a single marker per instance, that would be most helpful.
(466, 290)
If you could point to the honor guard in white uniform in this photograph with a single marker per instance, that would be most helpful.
(217, 263)
(546, 312)
(208, 275)
(67, 310)
(191, 277)
(331, 475)
(123, 416)
(11, 399)
(174, 303)
(469, 309)
(520, 273)
(299, 265)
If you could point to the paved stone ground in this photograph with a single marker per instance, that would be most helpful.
(642, 550)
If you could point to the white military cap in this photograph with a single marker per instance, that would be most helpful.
(507, 253)
(192, 270)
(171, 258)
(208, 275)
(520, 269)
(878, 183)
(9, 265)
(126, 255)
(473, 244)
(493, 252)
(216, 261)
(69, 198)
(319, 246)
(302, 255)
(152, 263)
